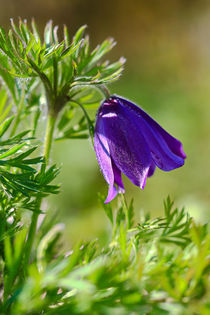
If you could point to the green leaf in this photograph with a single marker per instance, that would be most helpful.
(99, 52)
(5, 125)
(25, 154)
(7, 77)
(79, 34)
(48, 33)
(107, 208)
(12, 150)
(131, 214)
(66, 36)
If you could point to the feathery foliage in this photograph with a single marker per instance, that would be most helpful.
(158, 266)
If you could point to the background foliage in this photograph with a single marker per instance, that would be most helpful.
(167, 52)
(140, 264)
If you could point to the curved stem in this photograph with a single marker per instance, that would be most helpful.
(47, 147)
(101, 87)
(89, 122)
(104, 90)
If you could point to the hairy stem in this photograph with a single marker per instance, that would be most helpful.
(47, 147)
(104, 90)
(89, 122)
(49, 136)
(19, 112)
(125, 206)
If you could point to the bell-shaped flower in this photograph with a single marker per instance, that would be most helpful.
(129, 141)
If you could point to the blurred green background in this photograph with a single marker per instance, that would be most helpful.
(167, 47)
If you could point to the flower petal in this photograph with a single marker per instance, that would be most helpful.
(112, 193)
(127, 145)
(118, 177)
(151, 169)
(167, 152)
(104, 159)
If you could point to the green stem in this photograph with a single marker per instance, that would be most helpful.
(125, 206)
(49, 135)
(89, 122)
(104, 90)
(31, 234)
(19, 112)
(47, 147)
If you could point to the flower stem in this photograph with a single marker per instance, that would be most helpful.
(47, 147)
(49, 136)
(89, 122)
(104, 90)
(125, 206)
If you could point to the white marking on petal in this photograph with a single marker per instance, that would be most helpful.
(109, 115)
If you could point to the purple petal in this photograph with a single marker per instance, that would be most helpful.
(166, 151)
(104, 159)
(118, 178)
(127, 145)
(112, 193)
(151, 169)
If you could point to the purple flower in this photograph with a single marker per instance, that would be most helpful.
(129, 141)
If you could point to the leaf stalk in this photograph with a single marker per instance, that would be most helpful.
(51, 121)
